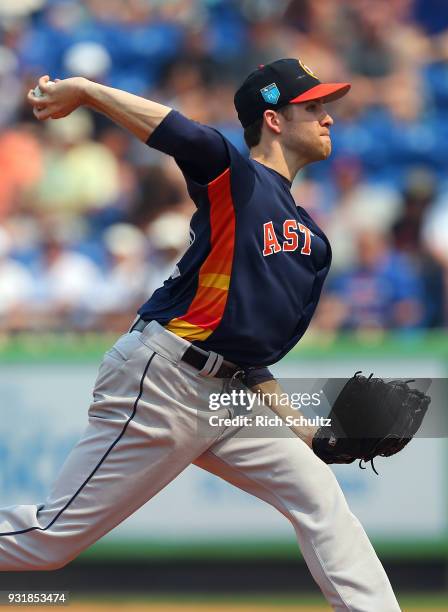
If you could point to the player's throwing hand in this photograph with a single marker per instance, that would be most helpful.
(56, 99)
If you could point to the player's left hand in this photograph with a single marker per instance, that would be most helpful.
(370, 418)
(58, 99)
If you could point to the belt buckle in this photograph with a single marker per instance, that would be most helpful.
(232, 381)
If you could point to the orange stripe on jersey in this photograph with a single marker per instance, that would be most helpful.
(220, 281)
(207, 308)
(186, 330)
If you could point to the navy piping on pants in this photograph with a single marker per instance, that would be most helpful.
(9, 533)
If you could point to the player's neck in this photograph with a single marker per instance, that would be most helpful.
(276, 158)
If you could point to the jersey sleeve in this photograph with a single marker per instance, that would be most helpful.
(199, 150)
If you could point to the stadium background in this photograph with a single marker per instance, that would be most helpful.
(91, 222)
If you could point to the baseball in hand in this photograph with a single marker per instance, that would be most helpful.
(38, 92)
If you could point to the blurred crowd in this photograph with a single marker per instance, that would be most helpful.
(92, 221)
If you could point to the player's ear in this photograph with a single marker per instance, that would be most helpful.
(272, 120)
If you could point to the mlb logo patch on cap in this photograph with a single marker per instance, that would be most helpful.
(270, 93)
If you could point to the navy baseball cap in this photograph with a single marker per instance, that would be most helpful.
(285, 81)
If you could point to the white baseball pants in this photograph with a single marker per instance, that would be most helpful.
(148, 421)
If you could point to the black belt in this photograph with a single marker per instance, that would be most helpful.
(196, 357)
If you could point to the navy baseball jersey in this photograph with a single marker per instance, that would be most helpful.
(250, 281)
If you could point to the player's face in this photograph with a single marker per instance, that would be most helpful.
(306, 131)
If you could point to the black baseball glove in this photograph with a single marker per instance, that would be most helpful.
(370, 418)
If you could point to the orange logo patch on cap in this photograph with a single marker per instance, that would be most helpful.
(308, 70)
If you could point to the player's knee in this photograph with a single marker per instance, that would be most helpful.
(324, 495)
(56, 564)
(52, 560)
(331, 494)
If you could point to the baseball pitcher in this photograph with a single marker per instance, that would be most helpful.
(242, 296)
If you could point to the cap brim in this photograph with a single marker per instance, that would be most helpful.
(328, 92)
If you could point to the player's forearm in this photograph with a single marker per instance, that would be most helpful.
(136, 114)
(271, 391)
